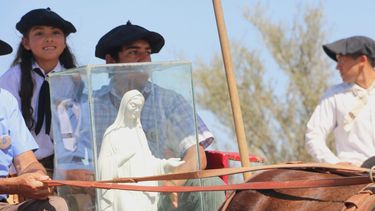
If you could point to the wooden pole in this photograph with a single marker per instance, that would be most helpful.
(232, 86)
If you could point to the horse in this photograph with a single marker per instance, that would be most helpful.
(321, 198)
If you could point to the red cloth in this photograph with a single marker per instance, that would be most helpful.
(219, 159)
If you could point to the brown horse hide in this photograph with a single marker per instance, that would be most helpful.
(320, 199)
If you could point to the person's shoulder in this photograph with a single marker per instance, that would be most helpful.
(11, 73)
(12, 69)
(337, 89)
(102, 91)
(7, 97)
(5, 94)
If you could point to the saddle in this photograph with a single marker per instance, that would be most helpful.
(364, 200)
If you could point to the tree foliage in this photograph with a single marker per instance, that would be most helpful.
(276, 103)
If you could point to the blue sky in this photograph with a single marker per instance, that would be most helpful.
(188, 26)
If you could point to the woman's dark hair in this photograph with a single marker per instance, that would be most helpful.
(25, 59)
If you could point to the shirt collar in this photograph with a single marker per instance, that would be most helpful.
(57, 68)
(359, 91)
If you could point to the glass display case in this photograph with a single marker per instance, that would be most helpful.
(121, 120)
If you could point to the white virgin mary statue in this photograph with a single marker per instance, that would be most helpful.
(125, 153)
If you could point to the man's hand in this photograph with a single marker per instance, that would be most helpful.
(189, 163)
(173, 197)
(170, 164)
(30, 185)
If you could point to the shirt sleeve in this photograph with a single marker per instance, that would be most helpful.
(321, 123)
(182, 124)
(21, 138)
(10, 81)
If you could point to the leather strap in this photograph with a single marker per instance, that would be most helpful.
(230, 171)
(112, 184)
(242, 186)
(362, 200)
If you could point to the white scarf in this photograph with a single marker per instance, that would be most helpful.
(362, 100)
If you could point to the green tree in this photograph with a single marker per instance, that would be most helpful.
(275, 116)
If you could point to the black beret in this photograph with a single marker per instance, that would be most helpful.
(44, 17)
(356, 45)
(124, 34)
(5, 48)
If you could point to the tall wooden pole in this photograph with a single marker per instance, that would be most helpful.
(232, 86)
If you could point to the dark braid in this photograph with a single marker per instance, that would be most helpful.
(67, 59)
(24, 58)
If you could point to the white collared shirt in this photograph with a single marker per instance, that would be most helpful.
(10, 81)
(354, 141)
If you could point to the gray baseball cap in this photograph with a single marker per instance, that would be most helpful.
(356, 45)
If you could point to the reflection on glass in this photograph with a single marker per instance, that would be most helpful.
(85, 103)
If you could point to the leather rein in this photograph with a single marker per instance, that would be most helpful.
(362, 178)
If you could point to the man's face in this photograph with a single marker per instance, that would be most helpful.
(137, 51)
(349, 68)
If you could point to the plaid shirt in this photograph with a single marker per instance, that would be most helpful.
(167, 119)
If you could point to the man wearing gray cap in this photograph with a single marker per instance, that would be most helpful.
(16, 146)
(346, 109)
(132, 43)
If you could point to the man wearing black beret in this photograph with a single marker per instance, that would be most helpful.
(132, 43)
(17, 145)
(346, 109)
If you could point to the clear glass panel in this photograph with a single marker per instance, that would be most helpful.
(122, 120)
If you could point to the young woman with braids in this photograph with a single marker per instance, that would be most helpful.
(43, 49)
